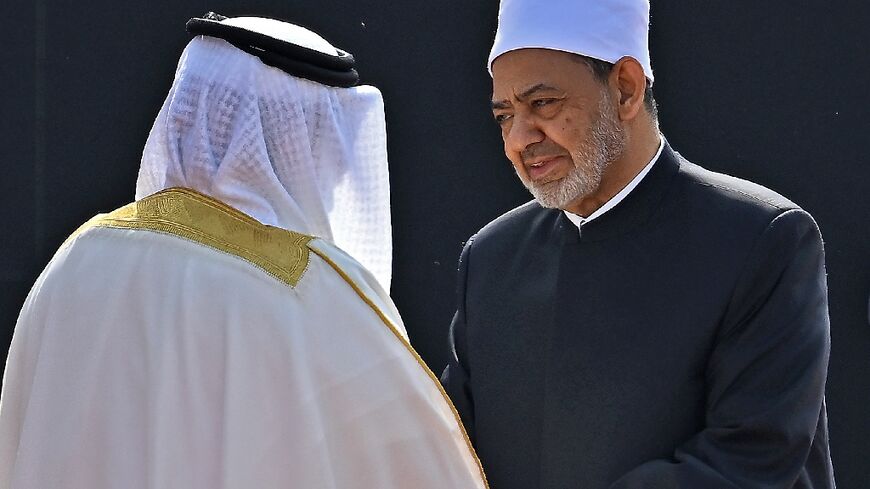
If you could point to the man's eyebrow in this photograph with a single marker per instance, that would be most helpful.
(499, 104)
(504, 104)
(532, 90)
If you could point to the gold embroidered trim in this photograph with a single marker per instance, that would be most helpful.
(191, 215)
(410, 349)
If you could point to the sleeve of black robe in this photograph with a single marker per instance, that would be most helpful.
(766, 373)
(456, 377)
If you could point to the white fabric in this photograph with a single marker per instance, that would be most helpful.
(289, 152)
(133, 366)
(579, 221)
(603, 29)
(284, 31)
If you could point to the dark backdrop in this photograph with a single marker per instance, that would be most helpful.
(771, 91)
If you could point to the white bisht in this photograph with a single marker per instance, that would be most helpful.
(213, 334)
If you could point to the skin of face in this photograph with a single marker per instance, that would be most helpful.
(557, 119)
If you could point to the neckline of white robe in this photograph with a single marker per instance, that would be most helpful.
(579, 221)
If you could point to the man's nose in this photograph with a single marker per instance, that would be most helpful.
(523, 133)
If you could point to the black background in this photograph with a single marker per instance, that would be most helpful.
(775, 92)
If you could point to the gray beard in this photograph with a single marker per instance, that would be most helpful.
(606, 143)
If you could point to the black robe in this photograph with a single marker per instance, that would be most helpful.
(681, 340)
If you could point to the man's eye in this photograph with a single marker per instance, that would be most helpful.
(542, 102)
(501, 118)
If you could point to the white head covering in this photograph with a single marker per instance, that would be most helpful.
(603, 29)
(289, 152)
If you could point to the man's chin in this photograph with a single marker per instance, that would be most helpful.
(556, 194)
(545, 187)
(548, 199)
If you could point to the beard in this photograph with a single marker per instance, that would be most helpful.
(605, 143)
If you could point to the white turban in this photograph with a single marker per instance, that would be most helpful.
(602, 29)
(289, 152)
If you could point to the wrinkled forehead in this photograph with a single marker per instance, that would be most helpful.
(515, 72)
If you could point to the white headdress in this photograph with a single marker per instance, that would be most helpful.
(602, 29)
(290, 152)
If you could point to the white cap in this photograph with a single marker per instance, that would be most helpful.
(603, 29)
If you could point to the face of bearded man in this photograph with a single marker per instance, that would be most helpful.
(559, 123)
(604, 144)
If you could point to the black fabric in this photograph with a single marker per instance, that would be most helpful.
(337, 71)
(680, 341)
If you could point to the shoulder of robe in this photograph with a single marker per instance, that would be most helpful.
(730, 200)
(735, 189)
(508, 224)
(190, 215)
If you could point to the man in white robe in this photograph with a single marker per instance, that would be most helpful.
(230, 328)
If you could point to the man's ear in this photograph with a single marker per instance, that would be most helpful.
(630, 82)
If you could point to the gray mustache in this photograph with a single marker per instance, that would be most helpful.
(543, 149)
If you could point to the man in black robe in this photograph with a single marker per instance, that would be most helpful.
(643, 323)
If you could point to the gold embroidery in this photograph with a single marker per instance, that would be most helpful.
(410, 349)
(189, 214)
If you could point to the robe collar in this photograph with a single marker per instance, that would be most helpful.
(636, 206)
(579, 221)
